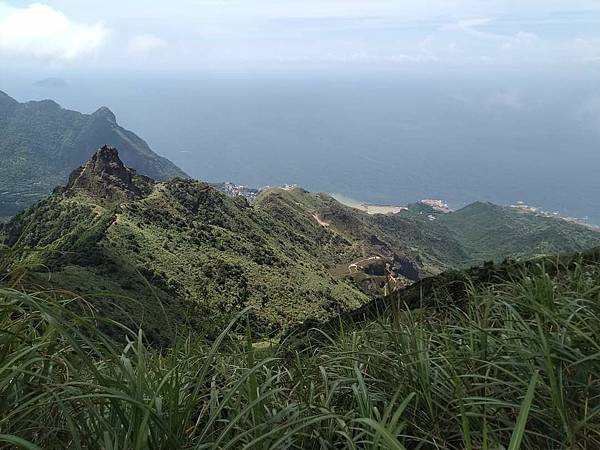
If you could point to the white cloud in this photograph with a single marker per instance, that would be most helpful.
(506, 99)
(521, 41)
(585, 50)
(145, 43)
(455, 32)
(41, 31)
(588, 112)
(471, 27)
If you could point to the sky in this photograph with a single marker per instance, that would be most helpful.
(194, 35)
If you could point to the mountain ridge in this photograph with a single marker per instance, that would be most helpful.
(41, 143)
(179, 245)
(105, 177)
(184, 247)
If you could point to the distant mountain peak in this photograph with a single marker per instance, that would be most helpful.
(105, 177)
(51, 82)
(5, 98)
(41, 143)
(106, 113)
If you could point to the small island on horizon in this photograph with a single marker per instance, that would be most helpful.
(51, 82)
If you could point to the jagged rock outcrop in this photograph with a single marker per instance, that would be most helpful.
(42, 143)
(105, 177)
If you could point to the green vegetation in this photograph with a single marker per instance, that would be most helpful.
(436, 241)
(500, 357)
(143, 315)
(137, 314)
(41, 143)
(185, 251)
(488, 231)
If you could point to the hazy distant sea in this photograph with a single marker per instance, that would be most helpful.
(375, 137)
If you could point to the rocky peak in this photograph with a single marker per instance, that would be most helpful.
(105, 177)
(106, 114)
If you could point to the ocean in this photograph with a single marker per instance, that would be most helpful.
(384, 137)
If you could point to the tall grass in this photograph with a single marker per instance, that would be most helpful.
(514, 365)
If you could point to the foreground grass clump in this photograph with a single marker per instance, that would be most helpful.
(513, 364)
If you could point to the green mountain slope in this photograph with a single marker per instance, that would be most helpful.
(41, 143)
(433, 240)
(505, 356)
(179, 246)
(489, 231)
(185, 251)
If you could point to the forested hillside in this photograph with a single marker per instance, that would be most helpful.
(41, 143)
(145, 249)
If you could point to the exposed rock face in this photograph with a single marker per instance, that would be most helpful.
(399, 265)
(406, 268)
(105, 177)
